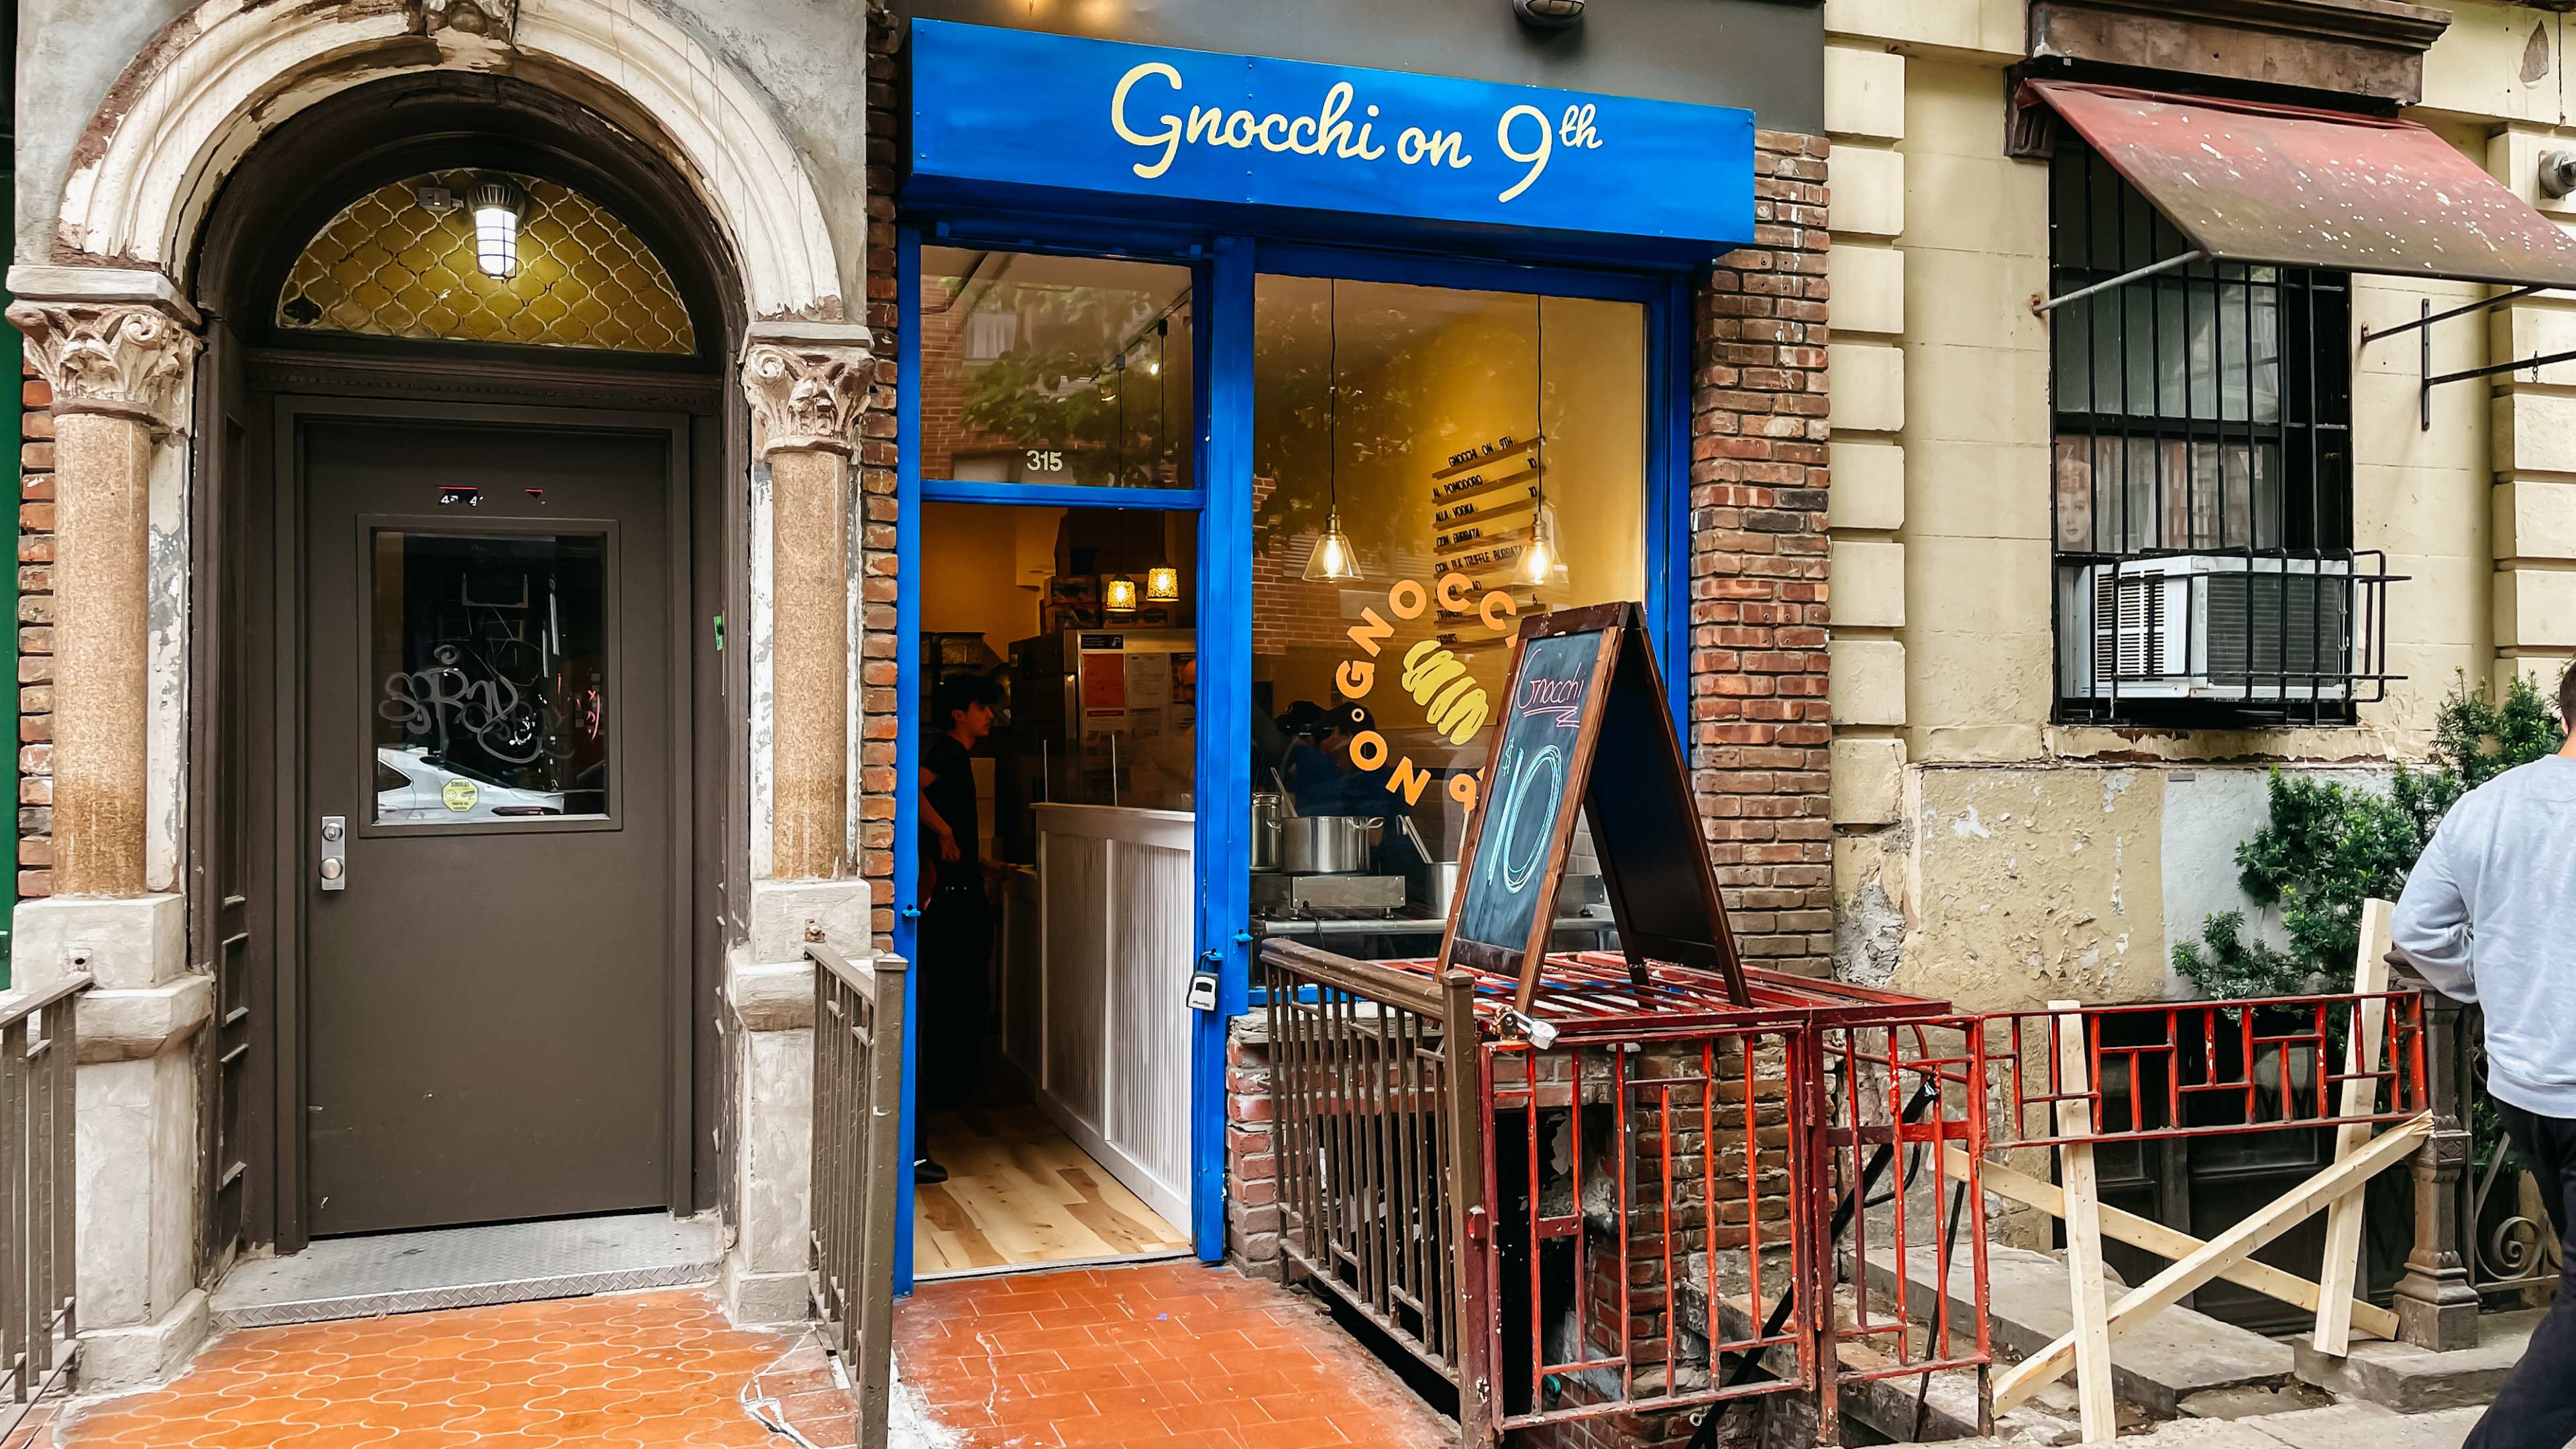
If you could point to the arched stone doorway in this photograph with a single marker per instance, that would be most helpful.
(227, 143)
(460, 745)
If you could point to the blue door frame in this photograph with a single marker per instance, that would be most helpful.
(1224, 272)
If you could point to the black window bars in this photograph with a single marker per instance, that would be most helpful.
(2201, 476)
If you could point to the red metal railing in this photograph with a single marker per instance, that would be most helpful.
(1651, 1199)
(1666, 1200)
(1646, 1190)
(1898, 1095)
(2205, 1068)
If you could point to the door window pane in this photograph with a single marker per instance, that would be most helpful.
(1495, 438)
(1044, 369)
(490, 662)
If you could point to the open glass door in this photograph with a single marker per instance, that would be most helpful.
(1055, 728)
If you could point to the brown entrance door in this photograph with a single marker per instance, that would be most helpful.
(487, 848)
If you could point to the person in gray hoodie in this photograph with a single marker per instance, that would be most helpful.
(2489, 915)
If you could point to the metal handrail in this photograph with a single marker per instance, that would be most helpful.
(858, 1117)
(39, 1054)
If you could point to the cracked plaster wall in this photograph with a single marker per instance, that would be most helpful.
(2014, 886)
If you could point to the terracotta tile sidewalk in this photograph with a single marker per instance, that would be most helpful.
(1165, 1354)
(618, 1372)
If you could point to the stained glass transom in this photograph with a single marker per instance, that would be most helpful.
(399, 262)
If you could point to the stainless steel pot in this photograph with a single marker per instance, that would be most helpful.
(1325, 844)
(1441, 882)
(1269, 810)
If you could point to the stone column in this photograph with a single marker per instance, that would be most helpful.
(116, 347)
(805, 399)
(116, 370)
(806, 383)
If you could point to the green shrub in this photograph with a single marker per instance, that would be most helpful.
(2328, 847)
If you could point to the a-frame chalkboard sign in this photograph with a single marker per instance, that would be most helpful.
(1585, 723)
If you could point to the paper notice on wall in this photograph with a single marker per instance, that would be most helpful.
(1104, 682)
(1149, 680)
(1101, 723)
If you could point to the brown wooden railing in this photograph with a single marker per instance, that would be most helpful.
(1377, 1166)
(858, 1111)
(38, 1051)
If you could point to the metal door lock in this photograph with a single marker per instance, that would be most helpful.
(334, 863)
(1203, 982)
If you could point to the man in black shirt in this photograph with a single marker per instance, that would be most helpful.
(955, 944)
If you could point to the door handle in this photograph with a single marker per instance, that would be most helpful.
(333, 860)
(911, 913)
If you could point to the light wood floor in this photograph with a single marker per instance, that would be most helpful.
(1020, 1192)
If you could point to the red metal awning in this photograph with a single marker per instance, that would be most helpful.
(2293, 187)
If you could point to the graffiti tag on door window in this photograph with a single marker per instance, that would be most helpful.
(451, 697)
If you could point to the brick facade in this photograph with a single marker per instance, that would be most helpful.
(35, 635)
(1760, 732)
(881, 709)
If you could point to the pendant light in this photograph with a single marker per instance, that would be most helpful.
(497, 204)
(1334, 560)
(1541, 562)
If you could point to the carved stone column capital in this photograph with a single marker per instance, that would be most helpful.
(124, 359)
(805, 396)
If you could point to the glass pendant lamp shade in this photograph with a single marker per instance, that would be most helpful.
(1540, 557)
(1162, 584)
(497, 203)
(1118, 595)
(1334, 560)
(1542, 563)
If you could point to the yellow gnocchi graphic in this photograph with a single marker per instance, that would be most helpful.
(1439, 682)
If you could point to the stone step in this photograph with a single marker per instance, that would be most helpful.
(2415, 1380)
(2339, 1426)
(2156, 1365)
(340, 1278)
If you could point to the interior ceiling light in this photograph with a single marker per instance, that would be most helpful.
(1162, 584)
(1542, 563)
(1118, 595)
(498, 204)
(1334, 561)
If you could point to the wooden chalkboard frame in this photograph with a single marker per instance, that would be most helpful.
(1646, 827)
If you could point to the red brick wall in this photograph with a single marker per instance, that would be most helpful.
(881, 709)
(35, 636)
(1759, 728)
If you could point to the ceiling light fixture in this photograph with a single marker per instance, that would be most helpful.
(498, 204)
(1162, 584)
(1118, 595)
(1541, 563)
(1333, 561)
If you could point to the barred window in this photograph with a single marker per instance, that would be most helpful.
(2201, 475)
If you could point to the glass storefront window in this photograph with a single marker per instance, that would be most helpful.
(491, 656)
(1048, 369)
(1497, 438)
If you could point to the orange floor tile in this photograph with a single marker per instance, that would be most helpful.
(1163, 1354)
(617, 1372)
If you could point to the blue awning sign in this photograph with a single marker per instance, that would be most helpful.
(998, 107)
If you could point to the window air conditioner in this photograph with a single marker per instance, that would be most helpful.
(2209, 626)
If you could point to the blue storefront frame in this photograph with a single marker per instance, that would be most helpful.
(1225, 268)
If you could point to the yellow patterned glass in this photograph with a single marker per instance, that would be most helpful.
(399, 262)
